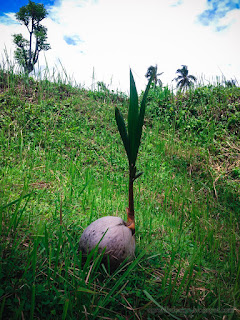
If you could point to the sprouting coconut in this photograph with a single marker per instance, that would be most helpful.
(110, 233)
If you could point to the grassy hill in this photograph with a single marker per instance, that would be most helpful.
(62, 165)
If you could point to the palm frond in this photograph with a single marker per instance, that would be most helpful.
(192, 77)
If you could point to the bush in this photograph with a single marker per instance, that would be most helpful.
(201, 114)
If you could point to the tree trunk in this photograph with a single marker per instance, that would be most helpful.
(30, 64)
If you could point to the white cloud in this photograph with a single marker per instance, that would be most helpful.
(120, 34)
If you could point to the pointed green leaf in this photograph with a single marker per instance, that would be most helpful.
(142, 113)
(132, 119)
(122, 130)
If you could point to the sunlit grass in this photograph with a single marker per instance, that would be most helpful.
(63, 166)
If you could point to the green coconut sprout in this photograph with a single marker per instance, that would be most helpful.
(131, 138)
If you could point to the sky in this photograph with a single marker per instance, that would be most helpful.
(100, 40)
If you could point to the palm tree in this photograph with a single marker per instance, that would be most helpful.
(184, 80)
(231, 83)
(149, 73)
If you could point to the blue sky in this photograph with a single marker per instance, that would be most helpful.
(110, 36)
(14, 5)
(216, 10)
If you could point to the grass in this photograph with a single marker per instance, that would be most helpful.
(63, 166)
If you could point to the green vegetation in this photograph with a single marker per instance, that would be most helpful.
(62, 166)
(27, 51)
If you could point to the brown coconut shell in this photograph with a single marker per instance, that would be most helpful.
(117, 238)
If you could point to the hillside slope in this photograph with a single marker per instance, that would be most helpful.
(63, 166)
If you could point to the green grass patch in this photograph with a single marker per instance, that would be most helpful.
(61, 160)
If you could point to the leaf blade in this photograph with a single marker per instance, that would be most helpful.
(122, 130)
(132, 119)
(142, 113)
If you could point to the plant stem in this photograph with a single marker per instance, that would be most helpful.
(130, 209)
(61, 211)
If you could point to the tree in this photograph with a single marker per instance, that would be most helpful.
(230, 83)
(184, 80)
(27, 51)
(153, 70)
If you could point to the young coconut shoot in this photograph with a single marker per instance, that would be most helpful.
(111, 235)
(132, 139)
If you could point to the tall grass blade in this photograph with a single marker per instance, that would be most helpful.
(108, 297)
(32, 302)
(2, 307)
(159, 306)
(65, 309)
(15, 201)
(58, 251)
(15, 219)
